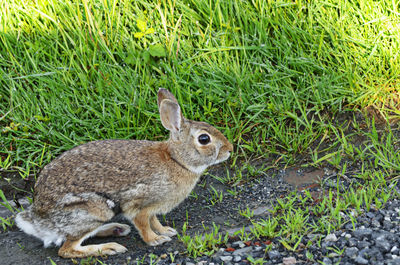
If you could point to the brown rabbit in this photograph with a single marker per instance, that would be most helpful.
(86, 186)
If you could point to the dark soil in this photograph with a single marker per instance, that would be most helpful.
(198, 210)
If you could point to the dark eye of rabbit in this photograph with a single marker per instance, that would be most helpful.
(204, 139)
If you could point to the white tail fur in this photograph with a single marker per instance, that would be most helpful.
(26, 222)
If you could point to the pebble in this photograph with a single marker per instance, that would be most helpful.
(394, 262)
(261, 210)
(226, 258)
(242, 251)
(331, 238)
(273, 254)
(289, 261)
(376, 223)
(327, 261)
(383, 245)
(351, 252)
(239, 244)
(363, 244)
(362, 232)
(258, 248)
(394, 249)
(352, 242)
(360, 260)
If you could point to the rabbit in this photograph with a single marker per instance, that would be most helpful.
(82, 189)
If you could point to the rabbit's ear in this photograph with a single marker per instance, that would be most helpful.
(170, 114)
(165, 94)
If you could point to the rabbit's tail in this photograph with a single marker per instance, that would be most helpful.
(33, 225)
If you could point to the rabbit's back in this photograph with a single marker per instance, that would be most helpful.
(105, 167)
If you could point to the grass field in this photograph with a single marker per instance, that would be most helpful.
(272, 75)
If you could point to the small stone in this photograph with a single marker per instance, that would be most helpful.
(226, 258)
(352, 242)
(364, 253)
(261, 210)
(348, 236)
(363, 244)
(273, 254)
(242, 251)
(326, 261)
(375, 223)
(360, 260)
(383, 245)
(258, 248)
(237, 258)
(387, 225)
(362, 232)
(190, 263)
(379, 235)
(394, 261)
(378, 217)
(327, 244)
(341, 243)
(239, 244)
(331, 238)
(289, 261)
(256, 254)
(394, 249)
(351, 252)
(370, 215)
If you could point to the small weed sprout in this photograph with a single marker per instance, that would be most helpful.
(203, 244)
(247, 213)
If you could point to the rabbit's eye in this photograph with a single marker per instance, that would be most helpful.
(204, 139)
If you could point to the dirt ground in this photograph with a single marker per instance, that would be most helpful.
(258, 194)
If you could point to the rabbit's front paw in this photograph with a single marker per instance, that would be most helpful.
(168, 231)
(158, 240)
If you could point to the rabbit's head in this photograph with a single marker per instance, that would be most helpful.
(196, 145)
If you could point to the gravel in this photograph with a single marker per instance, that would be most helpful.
(373, 239)
(368, 243)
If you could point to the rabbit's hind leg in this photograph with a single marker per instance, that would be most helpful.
(163, 230)
(74, 249)
(113, 229)
(142, 224)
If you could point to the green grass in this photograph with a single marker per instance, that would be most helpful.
(266, 73)
(272, 75)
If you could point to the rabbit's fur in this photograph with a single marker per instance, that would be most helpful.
(86, 186)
